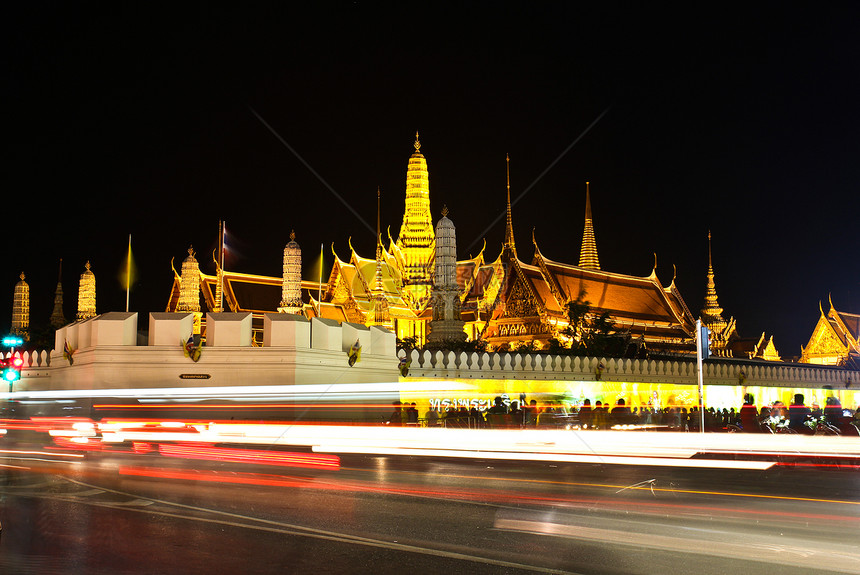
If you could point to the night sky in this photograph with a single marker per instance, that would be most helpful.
(145, 119)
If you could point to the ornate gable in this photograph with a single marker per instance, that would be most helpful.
(520, 301)
(825, 345)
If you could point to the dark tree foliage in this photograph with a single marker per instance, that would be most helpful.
(591, 334)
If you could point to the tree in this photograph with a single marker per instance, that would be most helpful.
(591, 334)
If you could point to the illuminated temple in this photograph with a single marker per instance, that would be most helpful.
(835, 340)
(506, 301)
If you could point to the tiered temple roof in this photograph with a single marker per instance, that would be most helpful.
(835, 340)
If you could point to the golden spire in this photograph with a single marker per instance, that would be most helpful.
(415, 246)
(87, 294)
(509, 226)
(21, 309)
(588, 252)
(291, 284)
(379, 314)
(712, 313)
(377, 286)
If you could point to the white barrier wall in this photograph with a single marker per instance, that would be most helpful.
(228, 329)
(453, 365)
(286, 330)
(170, 328)
(296, 350)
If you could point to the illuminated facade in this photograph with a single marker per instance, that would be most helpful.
(291, 289)
(835, 340)
(87, 294)
(506, 302)
(21, 309)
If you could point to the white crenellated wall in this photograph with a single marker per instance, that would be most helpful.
(294, 350)
(462, 365)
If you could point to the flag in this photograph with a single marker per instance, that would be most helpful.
(191, 350)
(68, 352)
(403, 366)
(354, 353)
(128, 273)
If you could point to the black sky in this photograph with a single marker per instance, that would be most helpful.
(139, 119)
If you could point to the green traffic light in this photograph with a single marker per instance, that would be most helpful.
(11, 374)
(12, 341)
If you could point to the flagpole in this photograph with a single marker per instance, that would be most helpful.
(222, 225)
(319, 292)
(128, 274)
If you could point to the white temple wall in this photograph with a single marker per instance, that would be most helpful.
(228, 329)
(298, 351)
(286, 330)
(170, 328)
(290, 354)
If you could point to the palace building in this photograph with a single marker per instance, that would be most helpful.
(835, 340)
(506, 302)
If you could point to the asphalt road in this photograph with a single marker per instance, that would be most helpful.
(123, 513)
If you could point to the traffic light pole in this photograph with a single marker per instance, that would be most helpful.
(11, 342)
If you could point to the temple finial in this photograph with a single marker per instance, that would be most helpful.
(710, 261)
(509, 226)
(378, 233)
(444, 210)
(417, 143)
(292, 235)
(712, 312)
(587, 201)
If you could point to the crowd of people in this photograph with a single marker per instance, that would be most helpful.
(797, 417)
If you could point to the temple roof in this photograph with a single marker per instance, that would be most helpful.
(851, 321)
(627, 298)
